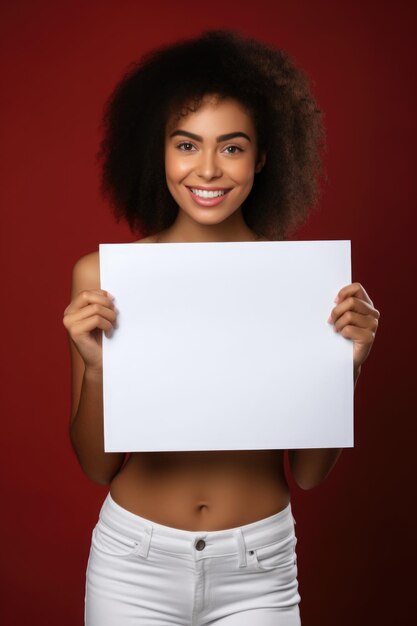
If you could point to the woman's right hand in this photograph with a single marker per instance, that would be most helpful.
(90, 312)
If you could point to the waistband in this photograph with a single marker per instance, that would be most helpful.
(238, 540)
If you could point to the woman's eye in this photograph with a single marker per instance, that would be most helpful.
(234, 148)
(184, 143)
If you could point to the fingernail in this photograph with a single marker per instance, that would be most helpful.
(330, 320)
(336, 299)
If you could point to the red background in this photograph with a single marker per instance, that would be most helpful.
(60, 60)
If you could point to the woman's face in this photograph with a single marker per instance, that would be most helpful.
(212, 149)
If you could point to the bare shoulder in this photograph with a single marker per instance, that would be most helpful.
(86, 271)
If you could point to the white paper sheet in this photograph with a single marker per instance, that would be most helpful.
(226, 346)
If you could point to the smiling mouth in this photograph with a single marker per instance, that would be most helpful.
(205, 198)
(209, 193)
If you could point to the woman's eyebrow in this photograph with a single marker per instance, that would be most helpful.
(185, 133)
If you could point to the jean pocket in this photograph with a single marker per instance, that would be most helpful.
(111, 542)
(277, 554)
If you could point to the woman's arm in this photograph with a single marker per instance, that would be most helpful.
(86, 423)
(355, 318)
(86, 432)
(310, 466)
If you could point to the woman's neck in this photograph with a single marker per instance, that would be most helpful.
(186, 230)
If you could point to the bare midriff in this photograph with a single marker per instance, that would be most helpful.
(203, 490)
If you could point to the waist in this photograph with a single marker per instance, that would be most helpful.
(268, 530)
(202, 491)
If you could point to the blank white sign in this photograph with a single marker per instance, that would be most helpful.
(226, 346)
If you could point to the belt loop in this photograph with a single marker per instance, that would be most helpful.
(241, 548)
(142, 548)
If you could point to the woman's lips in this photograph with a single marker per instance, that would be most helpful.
(207, 201)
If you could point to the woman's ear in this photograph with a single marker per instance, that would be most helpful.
(260, 163)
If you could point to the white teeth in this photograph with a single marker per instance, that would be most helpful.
(207, 194)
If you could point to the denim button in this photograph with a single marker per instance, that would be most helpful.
(200, 545)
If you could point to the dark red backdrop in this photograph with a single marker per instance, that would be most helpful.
(60, 61)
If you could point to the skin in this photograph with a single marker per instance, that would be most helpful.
(196, 490)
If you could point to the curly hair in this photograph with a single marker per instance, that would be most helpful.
(172, 80)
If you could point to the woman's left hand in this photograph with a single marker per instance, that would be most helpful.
(356, 318)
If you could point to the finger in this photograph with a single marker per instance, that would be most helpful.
(88, 324)
(350, 318)
(354, 289)
(93, 309)
(89, 296)
(361, 335)
(353, 304)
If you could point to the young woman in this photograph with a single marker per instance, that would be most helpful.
(216, 138)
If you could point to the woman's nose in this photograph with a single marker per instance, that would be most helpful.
(208, 165)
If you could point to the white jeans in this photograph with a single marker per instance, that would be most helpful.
(141, 573)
